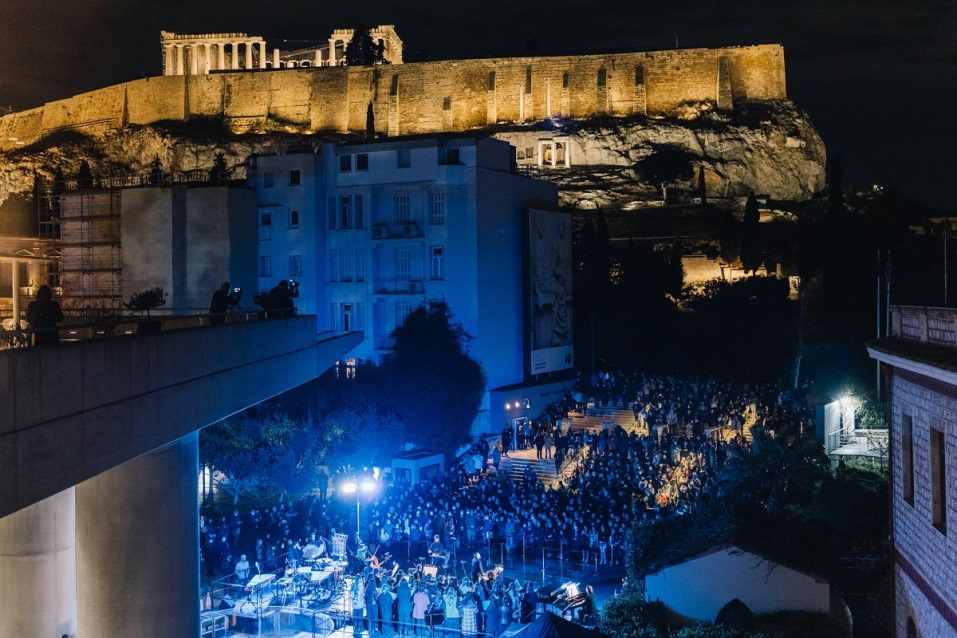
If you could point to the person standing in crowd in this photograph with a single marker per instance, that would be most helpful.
(405, 604)
(386, 600)
(43, 314)
(242, 569)
(358, 602)
(469, 615)
(420, 602)
(450, 601)
(223, 299)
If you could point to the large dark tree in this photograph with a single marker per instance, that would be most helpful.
(429, 381)
(362, 50)
(751, 253)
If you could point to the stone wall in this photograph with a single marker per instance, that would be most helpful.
(424, 97)
(925, 554)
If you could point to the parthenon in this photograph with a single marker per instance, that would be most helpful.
(201, 54)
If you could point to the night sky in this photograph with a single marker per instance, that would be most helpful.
(878, 77)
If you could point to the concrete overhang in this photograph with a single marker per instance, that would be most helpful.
(71, 411)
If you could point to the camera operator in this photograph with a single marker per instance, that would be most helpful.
(223, 300)
(280, 298)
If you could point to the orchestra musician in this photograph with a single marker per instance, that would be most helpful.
(477, 569)
(437, 552)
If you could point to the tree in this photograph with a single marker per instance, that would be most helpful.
(84, 177)
(751, 254)
(362, 50)
(628, 615)
(666, 165)
(219, 174)
(773, 475)
(273, 453)
(429, 381)
(147, 300)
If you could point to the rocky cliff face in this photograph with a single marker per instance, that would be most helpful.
(771, 148)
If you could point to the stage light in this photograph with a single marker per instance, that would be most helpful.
(349, 487)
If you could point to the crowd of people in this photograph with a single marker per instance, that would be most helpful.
(684, 428)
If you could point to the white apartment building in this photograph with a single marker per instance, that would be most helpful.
(373, 230)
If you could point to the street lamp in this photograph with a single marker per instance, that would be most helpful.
(358, 486)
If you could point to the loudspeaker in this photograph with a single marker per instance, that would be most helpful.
(226, 603)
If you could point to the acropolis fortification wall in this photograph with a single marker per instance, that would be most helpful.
(425, 97)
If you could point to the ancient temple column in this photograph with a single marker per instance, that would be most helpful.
(207, 58)
(249, 55)
(168, 49)
(193, 59)
(262, 55)
(180, 53)
(332, 52)
(318, 59)
(221, 56)
(235, 46)
(38, 569)
(137, 547)
(275, 58)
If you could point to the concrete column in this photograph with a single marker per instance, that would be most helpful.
(262, 55)
(275, 58)
(332, 52)
(221, 55)
(235, 46)
(38, 569)
(207, 58)
(15, 284)
(249, 55)
(318, 60)
(180, 53)
(137, 532)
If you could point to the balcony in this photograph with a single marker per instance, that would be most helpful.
(405, 230)
(395, 286)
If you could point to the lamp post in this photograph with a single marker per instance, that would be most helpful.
(358, 486)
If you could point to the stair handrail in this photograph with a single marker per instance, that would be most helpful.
(579, 456)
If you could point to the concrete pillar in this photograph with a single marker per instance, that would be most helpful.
(249, 56)
(275, 58)
(235, 46)
(262, 55)
(38, 569)
(221, 56)
(332, 51)
(15, 285)
(179, 59)
(137, 532)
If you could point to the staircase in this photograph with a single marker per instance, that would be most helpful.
(598, 417)
(514, 465)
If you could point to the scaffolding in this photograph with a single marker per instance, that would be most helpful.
(85, 229)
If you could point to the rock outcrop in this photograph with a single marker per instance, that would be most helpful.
(770, 148)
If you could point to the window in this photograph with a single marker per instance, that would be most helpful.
(362, 161)
(437, 264)
(907, 457)
(437, 207)
(451, 156)
(491, 80)
(333, 265)
(403, 158)
(332, 213)
(265, 225)
(268, 179)
(358, 217)
(294, 219)
(295, 265)
(345, 219)
(360, 266)
(345, 163)
(403, 264)
(402, 311)
(346, 267)
(403, 209)
(347, 316)
(265, 266)
(295, 178)
(602, 77)
(938, 480)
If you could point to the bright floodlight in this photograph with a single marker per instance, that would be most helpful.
(349, 487)
(368, 485)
